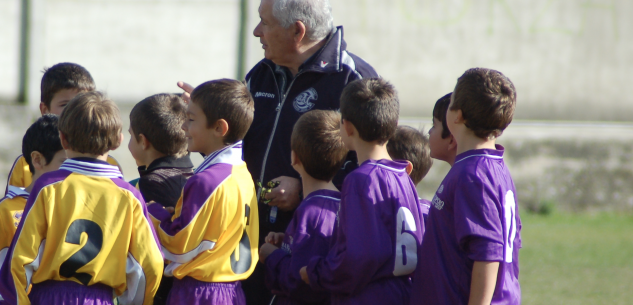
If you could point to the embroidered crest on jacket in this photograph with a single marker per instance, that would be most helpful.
(302, 101)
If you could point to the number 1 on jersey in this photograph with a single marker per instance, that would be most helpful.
(406, 245)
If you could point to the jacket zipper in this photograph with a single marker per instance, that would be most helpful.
(272, 135)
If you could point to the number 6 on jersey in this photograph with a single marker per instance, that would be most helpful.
(406, 245)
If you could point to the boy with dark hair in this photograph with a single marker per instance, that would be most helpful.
(159, 146)
(441, 141)
(379, 222)
(85, 202)
(409, 144)
(211, 241)
(318, 152)
(471, 247)
(44, 153)
(59, 85)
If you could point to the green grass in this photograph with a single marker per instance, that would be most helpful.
(576, 259)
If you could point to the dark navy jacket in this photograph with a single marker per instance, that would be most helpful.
(317, 85)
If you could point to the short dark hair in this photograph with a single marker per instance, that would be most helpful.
(62, 76)
(439, 113)
(487, 99)
(91, 123)
(372, 106)
(226, 99)
(410, 144)
(317, 143)
(159, 118)
(43, 137)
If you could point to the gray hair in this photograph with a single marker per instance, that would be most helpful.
(315, 14)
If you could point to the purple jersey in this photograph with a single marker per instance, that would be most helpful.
(474, 217)
(378, 231)
(308, 234)
(424, 206)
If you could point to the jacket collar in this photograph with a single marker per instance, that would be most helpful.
(183, 162)
(328, 59)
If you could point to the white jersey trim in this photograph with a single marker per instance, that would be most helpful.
(231, 154)
(480, 155)
(389, 168)
(91, 169)
(14, 191)
(32, 267)
(136, 281)
(326, 197)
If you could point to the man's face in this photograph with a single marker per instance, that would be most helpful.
(277, 42)
(199, 136)
(59, 101)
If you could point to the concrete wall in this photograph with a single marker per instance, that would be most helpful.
(569, 59)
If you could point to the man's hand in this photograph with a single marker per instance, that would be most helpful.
(275, 239)
(265, 251)
(304, 274)
(186, 96)
(286, 195)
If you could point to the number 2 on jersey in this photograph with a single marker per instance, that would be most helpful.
(87, 253)
(406, 245)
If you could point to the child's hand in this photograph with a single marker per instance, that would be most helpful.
(275, 238)
(265, 251)
(304, 274)
(186, 96)
(171, 210)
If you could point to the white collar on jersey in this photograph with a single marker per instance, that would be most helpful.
(15, 191)
(91, 169)
(231, 154)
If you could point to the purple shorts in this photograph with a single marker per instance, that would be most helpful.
(70, 293)
(193, 292)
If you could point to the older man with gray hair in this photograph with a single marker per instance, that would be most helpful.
(306, 67)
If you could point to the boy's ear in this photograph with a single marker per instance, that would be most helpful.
(459, 118)
(221, 128)
(38, 160)
(62, 138)
(452, 144)
(144, 141)
(43, 109)
(409, 167)
(293, 159)
(348, 127)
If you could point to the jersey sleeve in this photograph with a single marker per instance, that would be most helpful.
(478, 227)
(20, 175)
(282, 268)
(144, 264)
(25, 254)
(361, 245)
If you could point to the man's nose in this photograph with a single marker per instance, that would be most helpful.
(257, 30)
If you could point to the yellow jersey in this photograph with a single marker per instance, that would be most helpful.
(213, 235)
(84, 223)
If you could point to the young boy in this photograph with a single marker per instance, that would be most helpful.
(44, 153)
(317, 154)
(409, 144)
(211, 240)
(59, 85)
(379, 223)
(471, 247)
(441, 141)
(85, 235)
(159, 146)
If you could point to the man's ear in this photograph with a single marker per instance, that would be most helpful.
(38, 160)
(62, 138)
(299, 31)
(221, 128)
(43, 109)
(409, 167)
